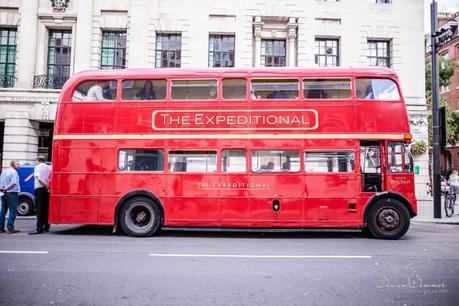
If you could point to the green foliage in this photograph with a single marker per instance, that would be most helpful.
(419, 147)
(445, 71)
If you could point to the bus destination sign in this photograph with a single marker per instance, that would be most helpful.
(275, 119)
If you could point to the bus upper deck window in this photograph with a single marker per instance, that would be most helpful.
(144, 90)
(194, 89)
(100, 90)
(278, 89)
(376, 89)
(234, 89)
(327, 88)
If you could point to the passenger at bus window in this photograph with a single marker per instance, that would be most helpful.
(371, 159)
(286, 166)
(96, 92)
(147, 92)
(212, 92)
(369, 92)
(359, 94)
(278, 94)
(270, 166)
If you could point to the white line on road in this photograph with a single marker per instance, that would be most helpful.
(260, 256)
(24, 252)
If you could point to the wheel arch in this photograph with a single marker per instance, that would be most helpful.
(388, 195)
(136, 193)
(28, 196)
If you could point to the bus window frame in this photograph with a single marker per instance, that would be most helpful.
(169, 93)
(353, 150)
(247, 90)
(220, 161)
(166, 97)
(75, 87)
(217, 157)
(351, 97)
(301, 161)
(249, 87)
(363, 100)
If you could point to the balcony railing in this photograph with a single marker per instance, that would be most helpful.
(49, 81)
(7, 80)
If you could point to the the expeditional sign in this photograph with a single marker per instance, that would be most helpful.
(275, 119)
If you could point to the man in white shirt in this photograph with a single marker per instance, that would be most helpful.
(9, 186)
(96, 92)
(41, 174)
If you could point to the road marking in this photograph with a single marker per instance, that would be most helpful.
(24, 252)
(260, 256)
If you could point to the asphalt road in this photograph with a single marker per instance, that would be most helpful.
(87, 265)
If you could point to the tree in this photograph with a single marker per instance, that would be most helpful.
(445, 71)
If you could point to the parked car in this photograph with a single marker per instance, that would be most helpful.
(26, 205)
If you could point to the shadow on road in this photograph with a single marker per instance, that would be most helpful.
(99, 230)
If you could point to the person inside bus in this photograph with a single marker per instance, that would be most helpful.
(96, 92)
(286, 166)
(278, 94)
(147, 92)
(270, 166)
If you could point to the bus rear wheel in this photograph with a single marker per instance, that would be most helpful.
(140, 217)
(388, 219)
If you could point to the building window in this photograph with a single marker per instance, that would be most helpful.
(113, 54)
(168, 50)
(59, 50)
(7, 57)
(273, 53)
(221, 51)
(327, 52)
(378, 53)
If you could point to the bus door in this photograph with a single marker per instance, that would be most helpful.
(399, 169)
(370, 166)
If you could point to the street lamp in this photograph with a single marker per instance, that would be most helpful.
(438, 39)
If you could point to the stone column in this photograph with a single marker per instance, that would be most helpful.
(27, 41)
(20, 138)
(291, 34)
(82, 37)
(137, 33)
(257, 27)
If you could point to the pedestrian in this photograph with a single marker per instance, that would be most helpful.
(41, 175)
(454, 181)
(9, 186)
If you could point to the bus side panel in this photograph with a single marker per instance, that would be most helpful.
(234, 202)
(192, 199)
(331, 198)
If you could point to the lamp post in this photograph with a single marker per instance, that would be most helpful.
(438, 39)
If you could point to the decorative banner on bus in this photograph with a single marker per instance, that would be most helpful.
(274, 119)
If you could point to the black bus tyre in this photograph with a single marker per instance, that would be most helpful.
(25, 206)
(140, 217)
(388, 219)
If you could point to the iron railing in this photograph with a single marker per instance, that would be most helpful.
(49, 81)
(7, 80)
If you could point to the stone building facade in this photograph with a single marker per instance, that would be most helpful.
(46, 41)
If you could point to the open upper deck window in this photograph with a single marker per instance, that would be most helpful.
(194, 89)
(274, 89)
(376, 89)
(144, 89)
(100, 90)
(327, 88)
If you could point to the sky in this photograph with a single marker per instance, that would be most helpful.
(447, 6)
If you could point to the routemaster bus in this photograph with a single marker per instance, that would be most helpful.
(270, 148)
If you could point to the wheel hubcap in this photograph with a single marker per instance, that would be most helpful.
(139, 217)
(388, 219)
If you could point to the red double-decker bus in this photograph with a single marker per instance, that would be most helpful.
(233, 148)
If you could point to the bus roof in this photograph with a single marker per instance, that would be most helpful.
(238, 72)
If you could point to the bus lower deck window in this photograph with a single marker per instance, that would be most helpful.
(343, 161)
(192, 161)
(141, 160)
(233, 161)
(275, 161)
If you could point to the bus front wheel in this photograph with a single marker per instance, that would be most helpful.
(140, 217)
(388, 219)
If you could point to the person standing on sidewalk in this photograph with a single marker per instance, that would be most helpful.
(41, 174)
(9, 185)
(454, 181)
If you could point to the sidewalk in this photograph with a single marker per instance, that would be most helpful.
(425, 213)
